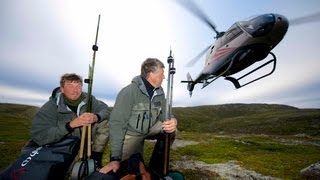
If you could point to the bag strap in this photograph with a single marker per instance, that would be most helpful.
(144, 173)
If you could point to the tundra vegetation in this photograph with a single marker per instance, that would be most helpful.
(271, 140)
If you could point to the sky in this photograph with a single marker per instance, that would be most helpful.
(41, 40)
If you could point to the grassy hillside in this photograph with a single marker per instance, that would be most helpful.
(15, 122)
(275, 140)
(249, 118)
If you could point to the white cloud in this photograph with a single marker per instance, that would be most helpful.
(21, 96)
(45, 39)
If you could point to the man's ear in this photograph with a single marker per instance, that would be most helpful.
(61, 89)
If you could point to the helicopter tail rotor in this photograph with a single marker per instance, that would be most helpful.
(191, 84)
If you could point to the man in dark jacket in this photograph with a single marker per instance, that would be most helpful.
(65, 113)
(138, 114)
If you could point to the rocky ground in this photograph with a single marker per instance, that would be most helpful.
(231, 170)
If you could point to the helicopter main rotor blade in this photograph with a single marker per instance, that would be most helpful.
(305, 19)
(196, 59)
(192, 7)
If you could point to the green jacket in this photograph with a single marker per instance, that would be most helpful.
(49, 123)
(134, 113)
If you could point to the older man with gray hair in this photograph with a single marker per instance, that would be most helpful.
(139, 114)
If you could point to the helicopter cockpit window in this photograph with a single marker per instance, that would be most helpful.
(259, 26)
(233, 32)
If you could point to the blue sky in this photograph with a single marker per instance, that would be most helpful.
(41, 40)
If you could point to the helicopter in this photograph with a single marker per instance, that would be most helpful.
(243, 44)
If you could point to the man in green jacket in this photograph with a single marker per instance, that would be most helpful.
(138, 114)
(65, 113)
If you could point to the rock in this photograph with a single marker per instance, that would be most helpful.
(229, 170)
(311, 172)
(182, 143)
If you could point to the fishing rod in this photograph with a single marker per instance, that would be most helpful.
(85, 166)
(168, 112)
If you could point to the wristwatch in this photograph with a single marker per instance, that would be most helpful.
(115, 158)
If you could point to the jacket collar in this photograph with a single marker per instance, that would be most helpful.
(141, 85)
(57, 98)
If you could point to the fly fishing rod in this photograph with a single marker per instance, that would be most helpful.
(85, 166)
(168, 112)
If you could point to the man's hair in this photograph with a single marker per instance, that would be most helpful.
(150, 65)
(70, 77)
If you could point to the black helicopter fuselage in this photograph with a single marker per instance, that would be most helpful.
(244, 43)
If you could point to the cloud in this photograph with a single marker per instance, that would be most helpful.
(20, 96)
(41, 40)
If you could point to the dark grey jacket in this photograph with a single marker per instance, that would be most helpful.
(134, 113)
(49, 123)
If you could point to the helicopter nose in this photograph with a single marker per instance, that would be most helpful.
(282, 21)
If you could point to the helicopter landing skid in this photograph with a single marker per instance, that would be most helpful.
(236, 81)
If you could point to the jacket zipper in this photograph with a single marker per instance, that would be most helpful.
(150, 115)
(138, 121)
(144, 117)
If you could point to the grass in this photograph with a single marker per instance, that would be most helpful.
(249, 119)
(15, 122)
(262, 138)
(263, 154)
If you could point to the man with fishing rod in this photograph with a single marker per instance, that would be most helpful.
(139, 114)
(65, 113)
(56, 130)
(76, 113)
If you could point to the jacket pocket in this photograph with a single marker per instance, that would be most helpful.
(139, 119)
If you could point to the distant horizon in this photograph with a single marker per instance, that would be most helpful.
(195, 105)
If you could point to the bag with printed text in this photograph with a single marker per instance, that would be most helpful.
(43, 162)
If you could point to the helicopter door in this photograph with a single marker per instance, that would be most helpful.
(233, 32)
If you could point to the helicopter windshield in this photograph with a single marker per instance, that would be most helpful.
(259, 26)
